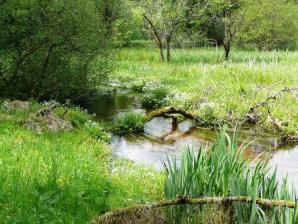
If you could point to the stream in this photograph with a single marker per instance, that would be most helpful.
(161, 141)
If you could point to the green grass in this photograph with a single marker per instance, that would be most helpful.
(65, 177)
(129, 123)
(220, 92)
(222, 171)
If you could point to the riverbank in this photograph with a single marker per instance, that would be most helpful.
(220, 93)
(63, 176)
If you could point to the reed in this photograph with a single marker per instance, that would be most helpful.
(222, 171)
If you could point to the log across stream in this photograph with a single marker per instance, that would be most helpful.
(164, 138)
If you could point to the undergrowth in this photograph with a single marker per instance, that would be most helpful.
(65, 177)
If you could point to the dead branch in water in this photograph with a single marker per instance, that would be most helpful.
(273, 97)
(195, 201)
(252, 117)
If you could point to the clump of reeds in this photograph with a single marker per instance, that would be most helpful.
(222, 171)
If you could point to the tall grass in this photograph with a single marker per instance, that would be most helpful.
(64, 177)
(222, 171)
(199, 80)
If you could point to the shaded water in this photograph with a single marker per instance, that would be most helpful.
(160, 140)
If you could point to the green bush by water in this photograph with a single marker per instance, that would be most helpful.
(129, 123)
(154, 96)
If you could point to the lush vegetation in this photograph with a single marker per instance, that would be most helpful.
(228, 62)
(129, 123)
(222, 171)
(54, 49)
(221, 93)
(65, 177)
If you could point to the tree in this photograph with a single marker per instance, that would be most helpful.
(49, 48)
(162, 18)
(230, 14)
(219, 20)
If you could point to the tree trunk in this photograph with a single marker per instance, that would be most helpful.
(228, 35)
(161, 53)
(168, 49)
(157, 36)
(227, 47)
(168, 42)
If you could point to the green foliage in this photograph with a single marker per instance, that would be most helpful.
(48, 48)
(129, 123)
(64, 177)
(275, 26)
(222, 171)
(154, 96)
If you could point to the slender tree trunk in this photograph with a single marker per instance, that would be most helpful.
(227, 48)
(168, 49)
(168, 43)
(161, 53)
(157, 36)
(228, 36)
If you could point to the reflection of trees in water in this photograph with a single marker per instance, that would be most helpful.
(107, 104)
(122, 101)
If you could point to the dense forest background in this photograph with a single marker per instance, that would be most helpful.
(63, 49)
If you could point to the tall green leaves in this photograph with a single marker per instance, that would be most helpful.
(222, 171)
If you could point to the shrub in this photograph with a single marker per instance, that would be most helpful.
(48, 48)
(129, 123)
(154, 97)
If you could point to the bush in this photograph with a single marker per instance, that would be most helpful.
(129, 123)
(154, 97)
(48, 48)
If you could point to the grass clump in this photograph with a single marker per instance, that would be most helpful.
(222, 171)
(129, 123)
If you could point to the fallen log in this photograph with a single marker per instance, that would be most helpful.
(195, 201)
(163, 112)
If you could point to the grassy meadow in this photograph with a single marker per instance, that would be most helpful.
(220, 92)
(65, 177)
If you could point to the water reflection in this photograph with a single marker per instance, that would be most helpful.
(110, 102)
(287, 164)
(162, 140)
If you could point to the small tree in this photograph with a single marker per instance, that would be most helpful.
(162, 18)
(231, 15)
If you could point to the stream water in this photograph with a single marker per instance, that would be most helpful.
(160, 141)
